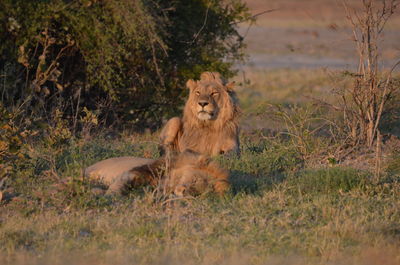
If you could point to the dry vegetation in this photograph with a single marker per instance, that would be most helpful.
(301, 192)
(276, 212)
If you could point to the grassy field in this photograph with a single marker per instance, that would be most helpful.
(279, 211)
(293, 201)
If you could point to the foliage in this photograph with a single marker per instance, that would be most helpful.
(306, 127)
(126, 60)
(261, 163)
(12, 138)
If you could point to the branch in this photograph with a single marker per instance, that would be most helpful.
(202, 27)
(254, 16)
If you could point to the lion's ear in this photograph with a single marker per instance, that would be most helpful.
(191, 84)
(230, 86)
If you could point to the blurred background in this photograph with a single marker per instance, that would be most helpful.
(297, 52)
(310, 34)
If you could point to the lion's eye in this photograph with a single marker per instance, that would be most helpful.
(198, 93)
(213, 94)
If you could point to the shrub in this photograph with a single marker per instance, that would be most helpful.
(365, 102)
(127, 58)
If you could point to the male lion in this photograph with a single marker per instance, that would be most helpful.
(210, 120)
(209, 127)
(189, 173)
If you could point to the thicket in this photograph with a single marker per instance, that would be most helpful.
(126, 61)
(67, 67)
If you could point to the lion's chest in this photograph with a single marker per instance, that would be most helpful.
(202, 141)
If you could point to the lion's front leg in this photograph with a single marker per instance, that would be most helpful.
(169, 134)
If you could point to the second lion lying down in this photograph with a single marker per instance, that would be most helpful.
(189, 173)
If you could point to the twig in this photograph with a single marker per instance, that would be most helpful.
(177, 199)
(254, 16)
(324, 103)
(204, 24)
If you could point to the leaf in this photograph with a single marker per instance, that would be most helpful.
(59, 87)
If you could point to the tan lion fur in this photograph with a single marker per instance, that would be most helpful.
(189, 174)
(210, 119)
(193, 174)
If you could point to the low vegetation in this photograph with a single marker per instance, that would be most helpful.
(278, 210)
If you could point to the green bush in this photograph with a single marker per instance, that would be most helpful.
(127, 60)
(12, 138)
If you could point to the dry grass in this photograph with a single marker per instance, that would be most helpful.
(312, 33)
(277, 213)
(311, 13)
(286, 86)
(278, 225)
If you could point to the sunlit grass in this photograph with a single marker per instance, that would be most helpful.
(278, 211)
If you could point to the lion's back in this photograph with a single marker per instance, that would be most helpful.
(108, 170)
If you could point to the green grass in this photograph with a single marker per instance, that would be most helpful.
(279, 211)
(329, 181)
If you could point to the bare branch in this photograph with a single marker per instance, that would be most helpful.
(204, 24)
(254, 16)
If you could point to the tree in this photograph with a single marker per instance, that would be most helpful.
(125, 60)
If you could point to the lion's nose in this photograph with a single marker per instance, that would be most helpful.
(203, 103)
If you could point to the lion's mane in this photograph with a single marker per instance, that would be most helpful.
(210, 137)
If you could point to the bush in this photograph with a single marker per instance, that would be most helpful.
(365, 103)
(127, 59)
(11, 143)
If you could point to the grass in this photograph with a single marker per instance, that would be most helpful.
(282, 86)
(281, 209)
(278, 212)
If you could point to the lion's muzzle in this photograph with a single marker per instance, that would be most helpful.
(205, 110)
(204, 115)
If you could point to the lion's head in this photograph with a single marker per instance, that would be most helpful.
(194, 174)
(211, 100)
(210, 119)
